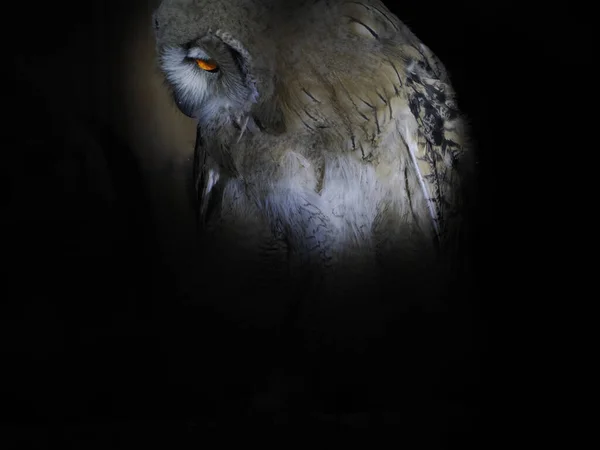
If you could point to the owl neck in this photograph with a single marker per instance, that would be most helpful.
(221, 139)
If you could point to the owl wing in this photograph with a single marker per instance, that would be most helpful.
(438, 142)
(390, 100)
(412, 93)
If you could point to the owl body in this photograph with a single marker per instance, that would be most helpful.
(329, 141)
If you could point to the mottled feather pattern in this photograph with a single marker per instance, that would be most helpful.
(342, 135)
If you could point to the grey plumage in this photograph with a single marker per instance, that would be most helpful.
(330, 145)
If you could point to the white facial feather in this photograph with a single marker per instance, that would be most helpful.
(184, 77)
(197, 91)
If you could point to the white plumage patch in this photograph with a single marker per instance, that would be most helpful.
(352, 194)
(213, 178)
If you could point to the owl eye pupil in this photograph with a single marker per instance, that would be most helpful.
(208, 65)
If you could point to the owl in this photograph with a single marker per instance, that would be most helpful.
(330, 154)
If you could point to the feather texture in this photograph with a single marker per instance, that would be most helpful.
(336, 144)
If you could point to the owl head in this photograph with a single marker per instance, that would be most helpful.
(208, 78)
(214, 57)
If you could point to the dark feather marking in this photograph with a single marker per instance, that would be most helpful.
(307, 125)
(352, 19)
(398, 75)
(438, 188)
(309, 115)
(379, 11)
(374, 113)
(353, 102)
(258, 123)
(409, 193)
(388, 19)
(428, 68)
(302, 120)
(310, 95)
(366, 103)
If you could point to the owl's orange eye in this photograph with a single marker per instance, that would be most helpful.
(208, 65)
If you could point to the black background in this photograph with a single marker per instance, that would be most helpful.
(97, 349)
